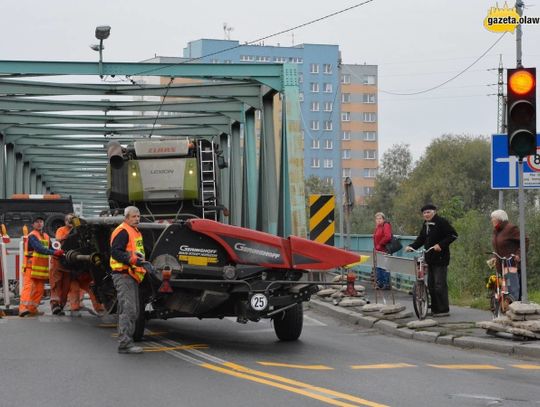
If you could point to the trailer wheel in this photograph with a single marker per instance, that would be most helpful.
(53, 222)
(288, 324)
(140, 322)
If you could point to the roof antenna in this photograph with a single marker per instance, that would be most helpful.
(227, 31)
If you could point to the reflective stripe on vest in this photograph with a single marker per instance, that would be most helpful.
(38, 263)
(135, 244)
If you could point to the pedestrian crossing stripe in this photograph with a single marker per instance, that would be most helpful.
(321, 218)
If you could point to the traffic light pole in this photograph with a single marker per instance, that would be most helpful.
(519, 33)
(522, 242)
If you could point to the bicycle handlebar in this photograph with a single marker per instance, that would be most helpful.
(422, 250)
(501, 257)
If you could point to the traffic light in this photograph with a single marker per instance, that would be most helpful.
(521, 111)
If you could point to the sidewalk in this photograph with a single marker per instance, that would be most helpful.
(457, 329)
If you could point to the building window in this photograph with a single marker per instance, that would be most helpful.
(328, 125)
(301, 96)
(368, 191)
(328, 144)
(315, 163)
(370, 136)
(369, 117)
(328, 163)
(328, 106)
(327, 68)
(300, 77)
(314, 86)
(370, 154)
(368, 98)
(327, 88)
(345, 98)
(315, 106)
(315, 144)
(345, 78)
(314, 68)
(227, 61)
(370, 172)
(370, 80)
(329, 180)
(346, 135)
(346, 154)
(345, 116)
(280, 59)
(346, 172)
(215, 61)
(296, 60)
(314, 125)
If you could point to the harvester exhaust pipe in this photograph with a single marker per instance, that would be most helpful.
(114, 154)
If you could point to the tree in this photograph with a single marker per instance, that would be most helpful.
(315, 185)
(396, 165)
(454, 174)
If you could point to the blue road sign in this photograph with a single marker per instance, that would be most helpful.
(504, 168)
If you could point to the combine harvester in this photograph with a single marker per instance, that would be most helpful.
(198, 267)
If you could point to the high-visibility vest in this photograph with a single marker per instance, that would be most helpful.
(61, 233)
(37, 263)
(135, 244)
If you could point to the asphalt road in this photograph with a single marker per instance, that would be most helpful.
(60, 361)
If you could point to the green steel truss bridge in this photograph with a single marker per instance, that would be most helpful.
(57, 117)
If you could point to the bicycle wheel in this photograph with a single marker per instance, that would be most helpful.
(420, 299)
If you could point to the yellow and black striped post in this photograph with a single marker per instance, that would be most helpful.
(321, 218)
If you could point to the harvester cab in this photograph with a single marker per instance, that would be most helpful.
(165, 178)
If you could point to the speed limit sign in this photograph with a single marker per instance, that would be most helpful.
(533, 161)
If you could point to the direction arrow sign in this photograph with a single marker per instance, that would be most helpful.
(504, 168)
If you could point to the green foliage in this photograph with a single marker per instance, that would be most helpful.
(468, 271)
(396, 164)
(454, 174)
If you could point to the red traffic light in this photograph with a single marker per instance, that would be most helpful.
(521, 81)
(521, 112)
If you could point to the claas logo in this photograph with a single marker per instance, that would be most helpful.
(500, 20)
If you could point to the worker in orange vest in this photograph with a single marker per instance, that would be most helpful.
(127, 257)
(60, 277)
(36, 271)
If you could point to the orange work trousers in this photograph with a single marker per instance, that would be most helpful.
(77, 287)
(33, 290)
(59, 280)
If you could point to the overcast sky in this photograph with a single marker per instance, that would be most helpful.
(416, 44)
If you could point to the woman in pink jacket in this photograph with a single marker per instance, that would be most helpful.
(382, 235)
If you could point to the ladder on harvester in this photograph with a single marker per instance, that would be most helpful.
(207, 175)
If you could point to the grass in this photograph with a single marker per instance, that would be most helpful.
(467, 300)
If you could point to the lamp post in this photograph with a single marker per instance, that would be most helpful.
(102, 33)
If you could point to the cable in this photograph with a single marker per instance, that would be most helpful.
(262, 38)
(448, 80)
(160, 106)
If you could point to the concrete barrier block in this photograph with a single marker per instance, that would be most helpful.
(426, 336)
(405, 333)
(528, 349)
(386, 326)
(471, 342)
(445, 340)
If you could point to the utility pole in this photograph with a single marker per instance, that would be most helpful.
(501, 113)
(521, 192)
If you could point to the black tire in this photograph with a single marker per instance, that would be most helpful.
(420, 300)
(53, 222)
(140, 322)
(288, 324)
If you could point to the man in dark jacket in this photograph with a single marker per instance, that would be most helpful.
(437, 233)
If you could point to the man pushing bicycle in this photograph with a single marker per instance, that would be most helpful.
(438, 233)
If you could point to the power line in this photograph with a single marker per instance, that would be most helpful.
(316, 20)
(448, 80)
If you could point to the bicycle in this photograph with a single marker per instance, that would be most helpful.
(500, 298)
(420, 292)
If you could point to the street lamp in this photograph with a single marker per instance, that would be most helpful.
(102, 33)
